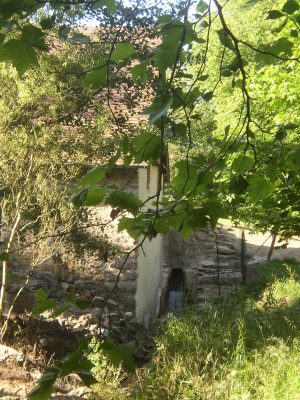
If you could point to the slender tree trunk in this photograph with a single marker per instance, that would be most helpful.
(274, 236)
(243, 257)
(3, 286)
(5, 263)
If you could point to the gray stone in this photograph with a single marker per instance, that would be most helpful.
(64, 285)
(8, 352)
(226, 250)
(112, 302)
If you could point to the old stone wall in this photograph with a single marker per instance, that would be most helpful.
(210, 261)
(92, 274)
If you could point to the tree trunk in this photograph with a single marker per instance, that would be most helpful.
(5, 265)
(274, 236)
(243, 257)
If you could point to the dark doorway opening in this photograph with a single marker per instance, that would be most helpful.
(175, 290)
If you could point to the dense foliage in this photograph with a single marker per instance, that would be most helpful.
(223, 83)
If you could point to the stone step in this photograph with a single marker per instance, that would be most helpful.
(211, 291)
(224, 243)
(226, 251)
(225, 279)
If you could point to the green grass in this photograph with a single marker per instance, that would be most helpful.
(246, 346)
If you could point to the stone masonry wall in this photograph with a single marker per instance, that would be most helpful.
(92, 276)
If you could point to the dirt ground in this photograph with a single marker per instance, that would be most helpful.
(40, 341)
(258, 244)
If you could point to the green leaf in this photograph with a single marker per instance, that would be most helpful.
(87, 378)
(225, 39)
(60, 310)
(93, 177)
(208, 96)
(226, 72)
(47, 23)
(122, 51)
(294, 33)
(259, 188)
(34, 37)
(94, 197)
(45, 385)
(167, 224)
(238, 184)
(109, 4)
(165, 57)
(201, 7)
(291, 125)
(214, 209)
(20, 54)
(159, 107)
(274, 14)
(124, 201)
(95, 79)
(63, 31)
(147, 147)
(78, 198)
(242, 164)
(42, 302)
(290, 6)
(82, 304)
(133, 226)
(4, 257)
(139, 72)
(119, 353)
(281, 47)
(203, 77)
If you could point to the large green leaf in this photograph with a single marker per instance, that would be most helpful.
(34, 37)
(43, 303)
(45, 386)
(159, 107)
(119, 353)
(147, 147)
(94, 197)
(225, 39)
(93, 177)
(139, 72)
(109, 4)
(259, 188)
(122, 51)
(95, 78)
(290, 6)
(274, 14)
(134, 226)
(242, 164)
(124, 201)
(20, 54)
